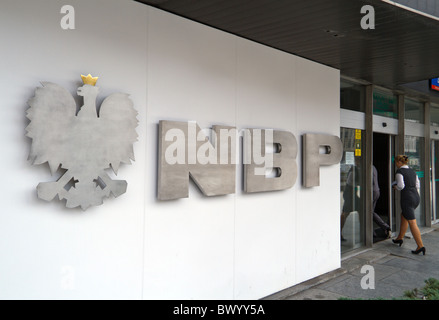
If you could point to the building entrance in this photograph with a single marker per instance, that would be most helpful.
(383, 160)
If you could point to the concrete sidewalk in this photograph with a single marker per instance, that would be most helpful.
(396, 270)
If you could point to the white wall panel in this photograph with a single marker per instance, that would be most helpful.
(318, 219)
(46, 250)
(265, 222)
(189, 242)
(241, 246)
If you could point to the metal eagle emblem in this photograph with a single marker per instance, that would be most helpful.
(82, 143)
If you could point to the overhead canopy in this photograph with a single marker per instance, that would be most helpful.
(402, 48)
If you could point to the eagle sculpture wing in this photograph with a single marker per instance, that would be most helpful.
(118, 124)
(51, 114)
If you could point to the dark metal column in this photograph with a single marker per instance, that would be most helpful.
(369, 160)
(427, 165)
(401, 125)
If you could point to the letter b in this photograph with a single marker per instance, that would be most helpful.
(283, 161)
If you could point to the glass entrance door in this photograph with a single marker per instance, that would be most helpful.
(414, 149)
(352, 189)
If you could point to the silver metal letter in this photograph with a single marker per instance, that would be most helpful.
(257, 161)
(313, 158)
(212, 166)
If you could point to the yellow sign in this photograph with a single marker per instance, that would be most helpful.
(357, 134)
(358, 152)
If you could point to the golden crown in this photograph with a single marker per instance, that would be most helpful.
(89, 79)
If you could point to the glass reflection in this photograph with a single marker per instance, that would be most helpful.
(414, 149)
(352, 192)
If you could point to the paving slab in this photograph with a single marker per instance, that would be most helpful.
(317, 294)
(395, 271)
(351, 288)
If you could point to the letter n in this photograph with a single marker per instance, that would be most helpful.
(173, 174)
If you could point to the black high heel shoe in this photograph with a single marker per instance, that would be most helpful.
(419, 251)
(400, 241)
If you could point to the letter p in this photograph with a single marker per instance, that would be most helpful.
(313, 159)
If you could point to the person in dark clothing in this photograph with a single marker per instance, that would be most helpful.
(408, 183)
(352, 201)
(376, 195)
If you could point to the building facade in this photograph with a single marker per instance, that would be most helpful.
(399, 122)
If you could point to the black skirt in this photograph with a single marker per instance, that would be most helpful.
(409, 195)
(409, 202)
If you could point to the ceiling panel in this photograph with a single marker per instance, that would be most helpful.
(401, 49)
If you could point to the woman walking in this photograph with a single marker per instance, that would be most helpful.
(408, 183)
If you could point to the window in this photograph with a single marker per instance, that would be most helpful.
(414, 111)
(352, 96)
(434, 115)
(385, 104)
